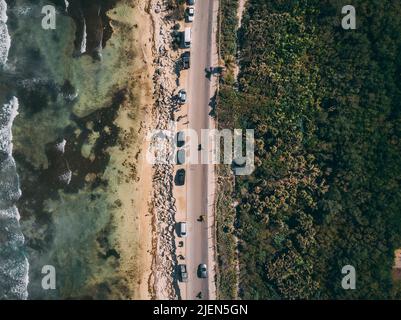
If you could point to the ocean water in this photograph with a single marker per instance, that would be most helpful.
(52, 144)
(14, 265)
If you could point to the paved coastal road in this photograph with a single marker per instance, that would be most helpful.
(200, 183)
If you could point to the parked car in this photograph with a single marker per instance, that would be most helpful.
(180, 177)
(186, 56)
(182, 229)
(180, 139)
(181, 156)
(182, 96)
(202, 271)
(190, 14)
(187, 38)
(183, 274)
(191, 2)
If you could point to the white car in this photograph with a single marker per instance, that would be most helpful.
(183, 229)
(190, 14)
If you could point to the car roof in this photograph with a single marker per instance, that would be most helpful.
(181, 155)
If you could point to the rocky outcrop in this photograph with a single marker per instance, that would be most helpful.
(165, 78)
(58, 171)
(93, 25)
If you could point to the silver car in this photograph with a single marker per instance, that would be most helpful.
(182, 96)
(181, 156)
(183, 274)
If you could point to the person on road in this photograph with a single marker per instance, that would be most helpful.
(199, 295)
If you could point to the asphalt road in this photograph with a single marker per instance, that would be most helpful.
(199, 242)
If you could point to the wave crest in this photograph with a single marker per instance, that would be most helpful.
(5, 40)
(14, 265)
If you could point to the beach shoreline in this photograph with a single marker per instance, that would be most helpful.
(96, 227)
(88, 119)
(134, 225)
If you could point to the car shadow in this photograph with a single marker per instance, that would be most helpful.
(213, 106)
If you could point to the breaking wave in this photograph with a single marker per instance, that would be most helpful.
(14, 265)
(5, 41)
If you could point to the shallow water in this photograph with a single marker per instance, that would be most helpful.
(62, 98)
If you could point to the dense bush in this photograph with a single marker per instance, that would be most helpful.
(325, 106)
(229, 23)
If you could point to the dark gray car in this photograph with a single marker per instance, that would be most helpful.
(180, 177)
(186, 56)
(180, 139)
(202, 271)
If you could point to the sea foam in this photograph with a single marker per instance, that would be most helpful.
(7, 115)
(14, 265)
(5, 40)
